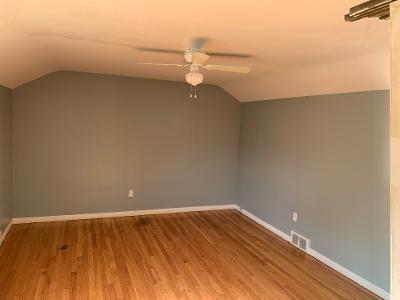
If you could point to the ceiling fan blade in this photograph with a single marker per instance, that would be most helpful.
(234, 69)
(157, 64)
(198, 43)
(158, 50)
(226, 54)
(199, 58)
(50, 34)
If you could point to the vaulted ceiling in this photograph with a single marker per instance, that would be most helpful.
(297, 48)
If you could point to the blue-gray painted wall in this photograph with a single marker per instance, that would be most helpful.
(326, 158)
(82, 140)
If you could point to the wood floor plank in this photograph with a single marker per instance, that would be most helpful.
(195, 255)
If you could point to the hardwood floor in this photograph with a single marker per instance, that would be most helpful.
(197, 255)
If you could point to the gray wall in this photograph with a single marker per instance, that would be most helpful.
(326, 158)
(82, 140)
(5, 156)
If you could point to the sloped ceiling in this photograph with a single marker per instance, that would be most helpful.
(298, 47)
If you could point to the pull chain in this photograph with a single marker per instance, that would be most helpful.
(191, 88)
(191, 85)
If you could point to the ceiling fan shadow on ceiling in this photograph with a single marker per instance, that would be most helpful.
(195, 57)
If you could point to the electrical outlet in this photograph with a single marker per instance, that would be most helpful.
(130, 193)
(294, 216)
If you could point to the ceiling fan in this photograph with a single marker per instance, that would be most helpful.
(195, 57)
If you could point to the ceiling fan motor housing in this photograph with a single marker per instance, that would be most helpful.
(188, 56)
(196, 57)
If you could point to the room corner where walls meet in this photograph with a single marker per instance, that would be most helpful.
(5, 157)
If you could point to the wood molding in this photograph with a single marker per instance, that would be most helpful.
(395, 150)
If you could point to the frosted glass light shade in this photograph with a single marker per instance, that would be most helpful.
(194, 78)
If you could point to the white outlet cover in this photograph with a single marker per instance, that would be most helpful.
(294, 216)
(130, 193)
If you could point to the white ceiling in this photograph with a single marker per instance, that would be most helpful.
(298, 48)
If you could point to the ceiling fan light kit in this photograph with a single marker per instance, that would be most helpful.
(195, 57)
(194, 78)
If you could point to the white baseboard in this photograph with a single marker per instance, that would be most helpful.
(349, 274)
(122, 214)
(337, 267)
(5, 232)
(264, 224)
